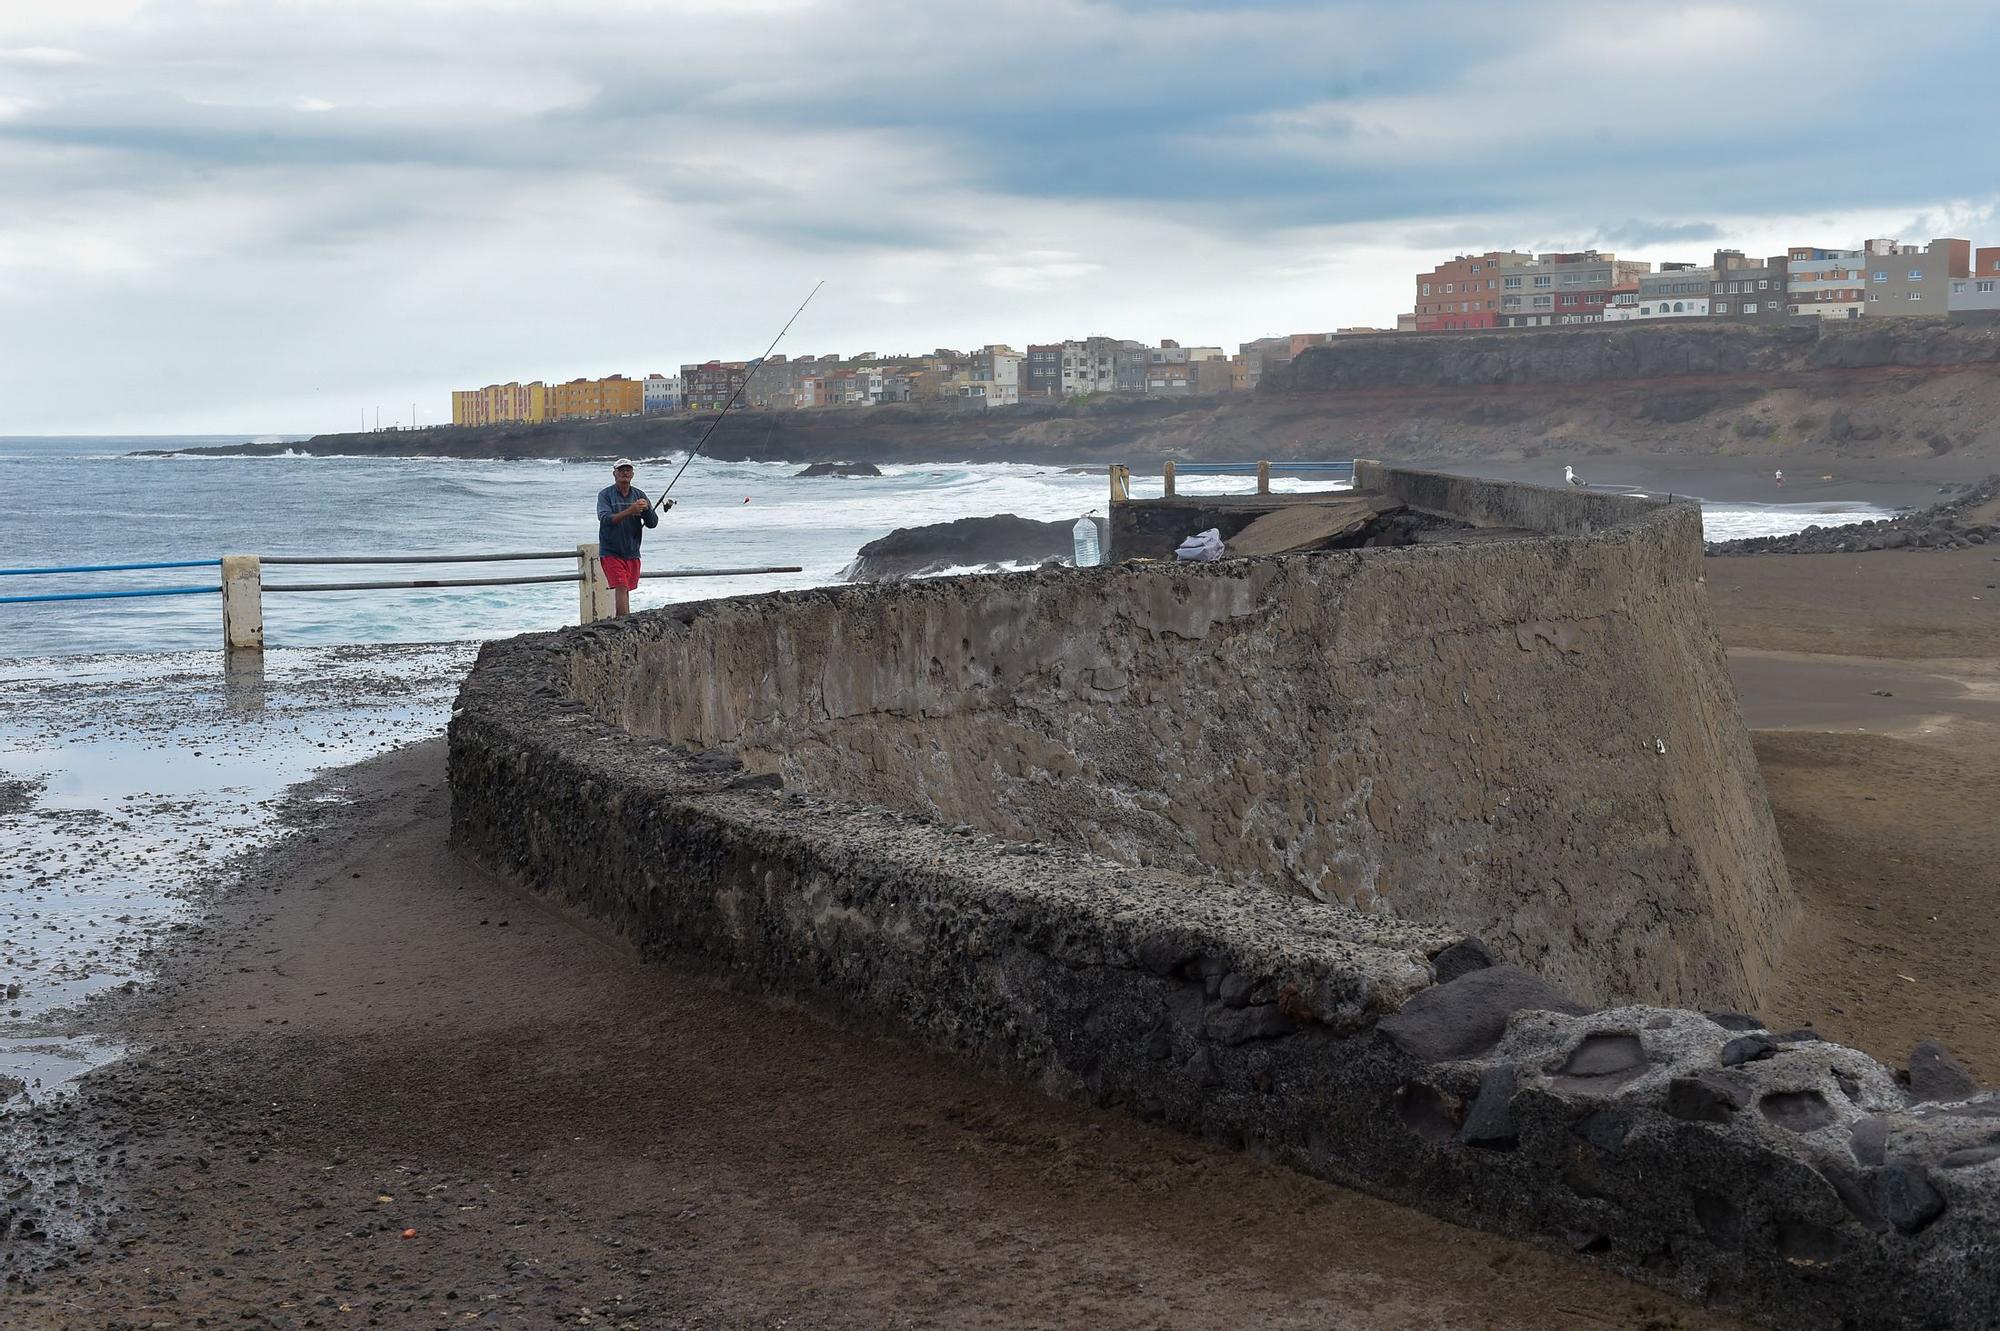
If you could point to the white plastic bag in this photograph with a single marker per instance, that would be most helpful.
(1203, 547)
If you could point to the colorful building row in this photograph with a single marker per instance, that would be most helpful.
(1511, 289)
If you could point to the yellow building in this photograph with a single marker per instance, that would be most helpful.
(614, 395)
(498, 404)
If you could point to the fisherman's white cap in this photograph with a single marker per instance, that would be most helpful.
(624, 462)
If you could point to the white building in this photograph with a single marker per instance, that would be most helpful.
(663, 393)
(1658, 307)
(1831, 284)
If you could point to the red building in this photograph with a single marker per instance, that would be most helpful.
(1464, 293)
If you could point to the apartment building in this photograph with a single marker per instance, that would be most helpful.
(662, 393)
(500, 404)
(1041, 370)
(1090, 366)
(1565, 288)
(1980, 290)
(1908, 280)
(1745, 290)
(1463, 293)
(613, 395)
(1824, 283)
(710, 385)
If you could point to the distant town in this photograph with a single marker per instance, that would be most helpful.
(1500, 289)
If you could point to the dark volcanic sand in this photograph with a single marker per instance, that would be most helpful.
(1889, 807)
(355, 1046)
(372, 1037)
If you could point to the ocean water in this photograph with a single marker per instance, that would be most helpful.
(133, 765)
(87, 501)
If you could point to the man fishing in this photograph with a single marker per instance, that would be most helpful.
(623, 514)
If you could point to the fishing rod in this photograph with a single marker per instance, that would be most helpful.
(703, 441)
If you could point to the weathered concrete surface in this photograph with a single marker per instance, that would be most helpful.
(1534, 741)
(1796, 1180)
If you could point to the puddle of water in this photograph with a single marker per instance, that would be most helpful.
(145, 773)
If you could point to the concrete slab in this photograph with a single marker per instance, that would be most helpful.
(1306, 526)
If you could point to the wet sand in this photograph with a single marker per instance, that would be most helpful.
(1888, 806)
(385, 1090)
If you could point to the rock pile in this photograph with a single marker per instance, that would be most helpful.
(1948, 526)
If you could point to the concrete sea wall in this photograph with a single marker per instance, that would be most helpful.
(1531, 741)
(1065, 823)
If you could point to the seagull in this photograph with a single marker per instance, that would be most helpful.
(1569, 474)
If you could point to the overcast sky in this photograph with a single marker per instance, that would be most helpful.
(277, 215)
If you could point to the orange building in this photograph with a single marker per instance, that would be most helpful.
(614, 395)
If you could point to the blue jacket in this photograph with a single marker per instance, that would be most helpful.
(621, 539)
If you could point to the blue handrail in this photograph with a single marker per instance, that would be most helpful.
(109, 568)
(103, 596)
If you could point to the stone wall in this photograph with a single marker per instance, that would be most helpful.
(1532, 741)
(1792, 1179)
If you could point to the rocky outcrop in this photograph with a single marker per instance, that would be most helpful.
(840, 469)
(1955, 525)
(18, 795)
(966, 543)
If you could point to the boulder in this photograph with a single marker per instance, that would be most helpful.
(840, 469)
(1004, 538)
(1468, 1016)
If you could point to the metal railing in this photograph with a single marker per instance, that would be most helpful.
(243, 586)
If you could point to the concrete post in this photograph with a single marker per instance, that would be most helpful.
(1121, 483)
(1263, 478)
(593, 594)
(1167, 471)
(242, 604)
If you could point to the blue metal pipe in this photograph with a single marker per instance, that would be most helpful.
(104, 596)
(109, 568)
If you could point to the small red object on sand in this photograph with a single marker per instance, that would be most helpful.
(409, 1233)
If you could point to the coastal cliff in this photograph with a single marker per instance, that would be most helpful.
(1873, 389)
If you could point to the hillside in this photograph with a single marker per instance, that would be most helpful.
(1886, 391)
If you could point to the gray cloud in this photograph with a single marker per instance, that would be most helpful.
(422, 195)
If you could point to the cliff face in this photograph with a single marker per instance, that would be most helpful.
(1626, 352)
(1885, 389)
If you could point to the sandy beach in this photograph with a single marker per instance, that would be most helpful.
(379, 1088)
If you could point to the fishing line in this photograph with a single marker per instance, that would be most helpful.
(703, 441)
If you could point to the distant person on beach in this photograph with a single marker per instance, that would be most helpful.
(623, 514)
(1779, 477)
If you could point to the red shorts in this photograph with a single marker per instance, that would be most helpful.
(622, 574)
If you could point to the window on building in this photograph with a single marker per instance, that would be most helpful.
(1958, 288)
(1678, 307)
(1881, 277)
(1722, 307)
(1749, 307)
(1427, 288)
(1986, 286)
(1763, 282)
(1513, 283)
(1916, 295)
(1916, 274)
(1544, 281)
(1447, 288)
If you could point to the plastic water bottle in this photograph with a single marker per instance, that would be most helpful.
(1084, 536)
